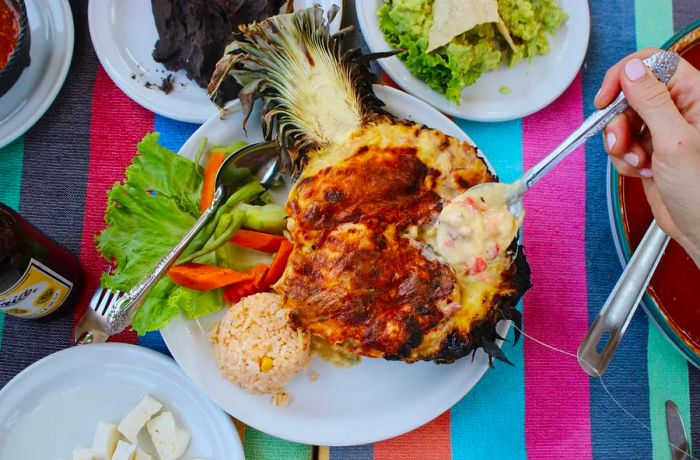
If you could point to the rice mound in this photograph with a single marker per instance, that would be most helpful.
(257, 348)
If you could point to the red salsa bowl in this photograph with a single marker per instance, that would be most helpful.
(672, 300)
(14, 42)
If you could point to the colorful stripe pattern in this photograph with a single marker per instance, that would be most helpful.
(544, 406)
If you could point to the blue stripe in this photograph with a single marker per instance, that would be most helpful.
(154, 341)
(489, 422)
(614, 435)
(172, 135)
(362, 452)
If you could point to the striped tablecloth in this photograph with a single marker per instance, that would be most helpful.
(543, 407)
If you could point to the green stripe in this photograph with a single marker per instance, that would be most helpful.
(668, 379)
(667, 370)
(653, 22)
(11, 158)
(261, 446)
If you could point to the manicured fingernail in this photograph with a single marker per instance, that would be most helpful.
(631, 158)
(634, 69)
(598, 93)
(646, 172)
(611, 140)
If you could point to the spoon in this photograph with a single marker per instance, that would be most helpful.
(612, 321)
(662, 64)
(263, 160)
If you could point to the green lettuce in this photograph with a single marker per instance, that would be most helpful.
(448, 69)
(146, 216)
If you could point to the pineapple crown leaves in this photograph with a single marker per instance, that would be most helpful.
(286, 61)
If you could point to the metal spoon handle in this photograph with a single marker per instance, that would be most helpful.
(618, 310)
(120, 315)
(662, 64)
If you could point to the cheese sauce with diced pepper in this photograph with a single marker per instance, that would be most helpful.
(474, 229)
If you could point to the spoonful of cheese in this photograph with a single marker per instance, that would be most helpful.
(476, 227)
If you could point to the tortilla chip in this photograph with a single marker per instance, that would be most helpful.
(454, 17)
(501, 26)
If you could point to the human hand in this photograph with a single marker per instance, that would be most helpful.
(658, 139)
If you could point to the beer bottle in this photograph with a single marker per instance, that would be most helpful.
(38, 278)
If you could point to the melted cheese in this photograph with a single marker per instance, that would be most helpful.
(475, 228)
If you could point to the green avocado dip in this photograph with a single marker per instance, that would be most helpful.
(459, 63)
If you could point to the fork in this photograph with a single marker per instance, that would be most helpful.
(91, 328)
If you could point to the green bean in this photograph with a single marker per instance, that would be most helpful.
(225, 235)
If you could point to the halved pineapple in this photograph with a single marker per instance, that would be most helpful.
(362, 274)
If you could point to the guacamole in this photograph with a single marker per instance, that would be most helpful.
(450, 68)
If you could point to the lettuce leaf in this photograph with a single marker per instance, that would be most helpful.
(146, 216)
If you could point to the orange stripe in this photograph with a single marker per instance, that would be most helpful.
(429, 442)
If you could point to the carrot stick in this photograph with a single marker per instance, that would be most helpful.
(235, 292)
(279, 263)
(203, 277)
(257, 240)
(216, 159)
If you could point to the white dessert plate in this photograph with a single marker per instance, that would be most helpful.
(51, 50)
(54, 405)
(532, 85)
(124, 34)
(374, 400)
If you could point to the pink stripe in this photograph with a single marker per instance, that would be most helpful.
(557, 397)
(117, 124)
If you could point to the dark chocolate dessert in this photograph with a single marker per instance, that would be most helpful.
(193, 33)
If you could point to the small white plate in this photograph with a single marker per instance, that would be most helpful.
(374, 400)
(124, 34)
(54, 405)
(533, 85)
(51, 50)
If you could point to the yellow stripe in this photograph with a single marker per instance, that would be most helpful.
(324, 453)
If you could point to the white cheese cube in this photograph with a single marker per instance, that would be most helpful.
(141, 455)
(124, 451)
(137, 417)
(181, 441)
(106, 437)
(163, 433)
(83, 454)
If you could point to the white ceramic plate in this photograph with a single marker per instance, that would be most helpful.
(124, 34)
(54, 405)
(51, 25)
(375, 400)
(533, 85)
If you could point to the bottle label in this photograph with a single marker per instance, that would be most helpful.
(38, 293)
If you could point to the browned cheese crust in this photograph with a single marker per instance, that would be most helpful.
(359, 275)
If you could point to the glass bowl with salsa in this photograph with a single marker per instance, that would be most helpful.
(672, 300)
(14, 42)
